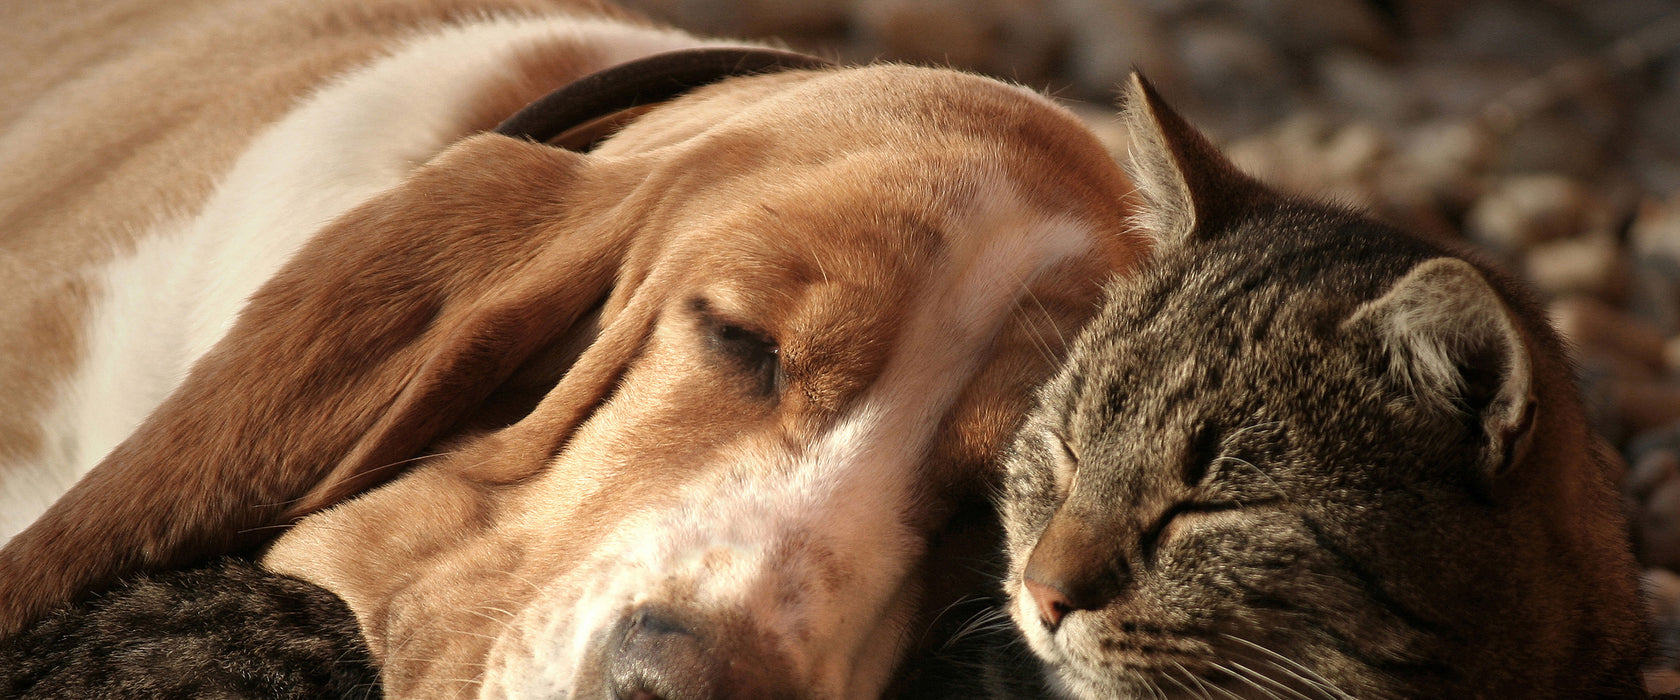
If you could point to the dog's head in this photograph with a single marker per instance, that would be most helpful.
(667, 419)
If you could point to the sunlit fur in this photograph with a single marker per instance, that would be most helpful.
(485, 372)
(164, 304)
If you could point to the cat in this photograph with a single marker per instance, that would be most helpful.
(1305, 455)
(225, 630)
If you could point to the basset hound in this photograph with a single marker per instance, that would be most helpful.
(689, 401)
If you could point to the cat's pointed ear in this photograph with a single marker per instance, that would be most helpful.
(1186, 184)
(1454, 341)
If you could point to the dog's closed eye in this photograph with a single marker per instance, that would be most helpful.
(753, 353)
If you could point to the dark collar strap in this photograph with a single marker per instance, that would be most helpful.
(641, 82)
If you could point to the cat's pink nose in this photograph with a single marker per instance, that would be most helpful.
(1052, 603)
(1072, 568)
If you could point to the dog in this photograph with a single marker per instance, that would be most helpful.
(702, 404)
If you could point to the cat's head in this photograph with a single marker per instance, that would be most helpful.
(1304, 455)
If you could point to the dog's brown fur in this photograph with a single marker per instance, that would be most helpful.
(115, 114)
(538, 316)
(119, 114)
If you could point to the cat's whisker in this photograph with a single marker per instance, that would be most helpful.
(1202, 683)
(988, 620)
(1256, 677)
(1155, 690)
(963, 629)
(1233, 674)
(994, 618)
(344, 657)
(953, 604)
(1222, 691)
(1291, 666)
(1239, 432)
(1316, 682)
(1187, 689)
(1282, 493)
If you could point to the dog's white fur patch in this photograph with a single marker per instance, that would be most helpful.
(167, 302)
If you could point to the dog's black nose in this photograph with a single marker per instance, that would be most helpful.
(662, 656)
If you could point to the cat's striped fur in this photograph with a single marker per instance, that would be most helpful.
(1305, 455)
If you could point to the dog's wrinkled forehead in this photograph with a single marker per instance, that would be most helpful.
(793, 168)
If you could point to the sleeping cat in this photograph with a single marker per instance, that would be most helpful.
(1304, 455)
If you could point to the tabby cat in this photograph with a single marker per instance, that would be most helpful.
(1305, 455)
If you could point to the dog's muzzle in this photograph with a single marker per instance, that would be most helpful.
(655, 653)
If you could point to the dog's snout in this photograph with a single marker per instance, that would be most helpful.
(660, 658)
(662, 655)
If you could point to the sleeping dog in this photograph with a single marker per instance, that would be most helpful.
(685, 393)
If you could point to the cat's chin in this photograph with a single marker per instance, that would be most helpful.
(1063, 677)
(1068, 676)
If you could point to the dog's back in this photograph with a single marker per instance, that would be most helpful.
(163, 159)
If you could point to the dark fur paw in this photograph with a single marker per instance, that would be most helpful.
(228, 630)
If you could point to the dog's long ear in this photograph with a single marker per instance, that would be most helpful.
(393, 324)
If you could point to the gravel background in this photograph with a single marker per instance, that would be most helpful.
(1546, 130)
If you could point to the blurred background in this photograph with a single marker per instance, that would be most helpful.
(1546, 131)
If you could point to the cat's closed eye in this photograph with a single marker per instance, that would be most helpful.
(1179, 519)
(1065, 462)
